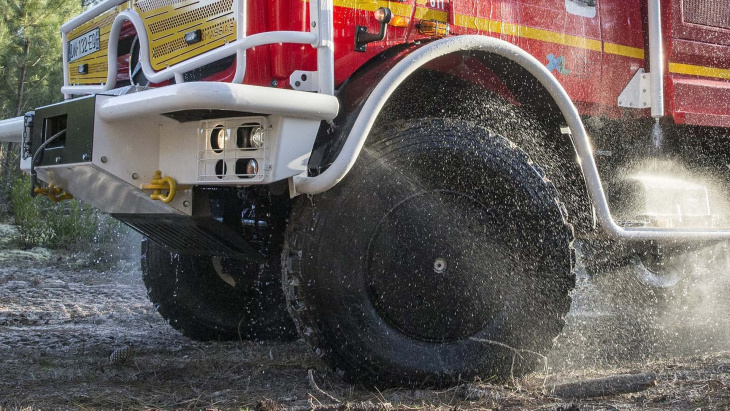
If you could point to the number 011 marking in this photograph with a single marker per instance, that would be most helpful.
(437, 4)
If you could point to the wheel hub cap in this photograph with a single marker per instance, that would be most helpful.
(435, 266)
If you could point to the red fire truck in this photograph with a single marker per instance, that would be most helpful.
(413, 173)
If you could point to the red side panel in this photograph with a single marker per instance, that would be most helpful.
(594, 54)
(574, 59)
(568, 44)
(701, 102)
(698, 75)
(623, 44)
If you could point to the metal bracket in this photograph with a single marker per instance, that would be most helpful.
(304, 80)
(359, 46)
(28, 121)
(637, 93)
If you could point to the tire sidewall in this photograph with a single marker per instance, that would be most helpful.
(189, 294)
(355, 333)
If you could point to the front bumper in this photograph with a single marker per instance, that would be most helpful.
(12, 129)
(115, 143)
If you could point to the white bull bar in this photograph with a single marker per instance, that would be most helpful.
(320, 36)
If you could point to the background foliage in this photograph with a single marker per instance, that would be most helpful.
(59, 225)
(31, 75)
(30, 62)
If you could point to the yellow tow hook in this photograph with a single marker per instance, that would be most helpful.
(55, 194)
(158, 184)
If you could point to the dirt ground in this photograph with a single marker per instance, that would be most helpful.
(62, 315)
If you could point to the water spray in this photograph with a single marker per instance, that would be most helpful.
(657, 137)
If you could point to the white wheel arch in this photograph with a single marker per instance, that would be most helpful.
(429, 52)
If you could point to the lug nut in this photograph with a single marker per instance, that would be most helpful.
(439, 266)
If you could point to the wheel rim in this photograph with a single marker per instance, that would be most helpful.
(441, 278)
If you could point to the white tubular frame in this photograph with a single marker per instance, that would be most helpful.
(218, 96)
(355, 141)
(656, 59)
(12, 129)
(320, 36)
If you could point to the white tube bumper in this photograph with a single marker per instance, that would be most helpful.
(12, 129)
(219, 96)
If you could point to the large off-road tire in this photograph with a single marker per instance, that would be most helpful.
(245, 302)
(444, 255)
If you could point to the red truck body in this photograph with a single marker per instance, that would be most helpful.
(595, 57)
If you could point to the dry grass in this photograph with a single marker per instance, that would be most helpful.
(57, 361)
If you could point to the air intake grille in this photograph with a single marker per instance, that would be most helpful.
(168, 21)
(714, 13)
(185, 19)
(149, 5)
(223, 26)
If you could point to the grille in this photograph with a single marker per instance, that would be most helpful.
(97, 61)
(201, 236)
(105, 20)
(166, 22)
(181, 20)
(714, 13)
(224, 26)
(147, 5)
(98, 69)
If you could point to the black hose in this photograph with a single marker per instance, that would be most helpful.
(33, 175)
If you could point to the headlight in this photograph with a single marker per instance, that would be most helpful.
(218, 139)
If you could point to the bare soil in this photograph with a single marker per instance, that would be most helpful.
(62, 315)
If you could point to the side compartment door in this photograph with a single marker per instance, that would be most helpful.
(623, 46)
(698, 67)
(566, 36)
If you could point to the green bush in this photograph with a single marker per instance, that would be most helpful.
(28, 213)
(41, 222)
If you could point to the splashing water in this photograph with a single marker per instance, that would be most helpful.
(657, 136)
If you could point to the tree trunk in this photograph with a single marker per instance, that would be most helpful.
(21, 78)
